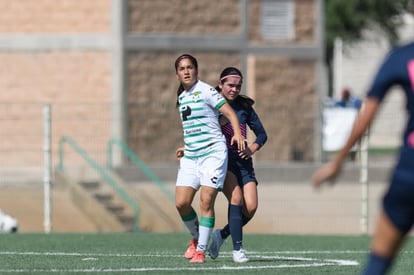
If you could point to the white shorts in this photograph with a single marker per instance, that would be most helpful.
(209, 170)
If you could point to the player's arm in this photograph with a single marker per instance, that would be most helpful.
(331, 170)
(229, 113)
(259, 131)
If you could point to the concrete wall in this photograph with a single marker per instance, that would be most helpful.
(106, 69)
(278, 74)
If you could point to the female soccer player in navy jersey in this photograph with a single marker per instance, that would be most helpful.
(203, 160)
(240, 186)
(397, 216)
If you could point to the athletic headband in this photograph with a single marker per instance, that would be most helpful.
(230, 75)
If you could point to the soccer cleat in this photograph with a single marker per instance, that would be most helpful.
(191, 249)
(198, 258)
(216, 242)
(239, 256)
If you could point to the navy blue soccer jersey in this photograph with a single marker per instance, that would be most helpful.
(243, 168)
(247, 117)
(398, 69)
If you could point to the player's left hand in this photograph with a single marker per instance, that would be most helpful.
(246, 153)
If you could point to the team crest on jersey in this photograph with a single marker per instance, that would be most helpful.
(196, 96)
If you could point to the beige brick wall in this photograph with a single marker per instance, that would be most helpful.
(154, 128)
(55, 77)
(285, 100)
(184, 16)
(54, 16)
(76, 84)
(284, 89)
(212, 17)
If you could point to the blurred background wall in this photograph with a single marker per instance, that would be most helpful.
(105, 68)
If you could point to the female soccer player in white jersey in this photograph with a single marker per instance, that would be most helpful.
(203, 160)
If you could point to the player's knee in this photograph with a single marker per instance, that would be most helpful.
(250, 211)
(182, 206)
(207, 205)
(236, 199)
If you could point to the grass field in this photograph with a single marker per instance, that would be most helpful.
(148, 253)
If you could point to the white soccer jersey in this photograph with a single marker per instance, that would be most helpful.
(199, 116)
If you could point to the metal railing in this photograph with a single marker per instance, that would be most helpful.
(102, 172)
(138, 163)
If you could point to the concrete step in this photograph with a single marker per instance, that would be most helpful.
(107, 198)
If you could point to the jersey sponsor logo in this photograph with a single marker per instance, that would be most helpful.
(185, 112)
(192, 131)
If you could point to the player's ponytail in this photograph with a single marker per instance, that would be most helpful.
(180, 89)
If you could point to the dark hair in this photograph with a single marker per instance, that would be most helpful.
(245, 101)
(177, 61)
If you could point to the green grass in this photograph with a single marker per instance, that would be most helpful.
(147, 253)
(383, 151)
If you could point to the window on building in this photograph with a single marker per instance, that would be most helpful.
(278, 19)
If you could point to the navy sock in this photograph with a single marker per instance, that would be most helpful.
(225, 232)
(377, 265)
(235, 225)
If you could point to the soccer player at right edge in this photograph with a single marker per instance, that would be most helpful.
(397, 216)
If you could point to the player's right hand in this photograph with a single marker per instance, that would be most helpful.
(179, 153)
(326, 173)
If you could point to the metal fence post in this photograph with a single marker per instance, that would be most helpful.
(47, 165)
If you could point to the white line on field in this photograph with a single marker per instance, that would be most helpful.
(304, 262)
(168, 269)
(172, 254)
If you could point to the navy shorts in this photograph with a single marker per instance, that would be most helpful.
(398, 201)
(242, 169)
